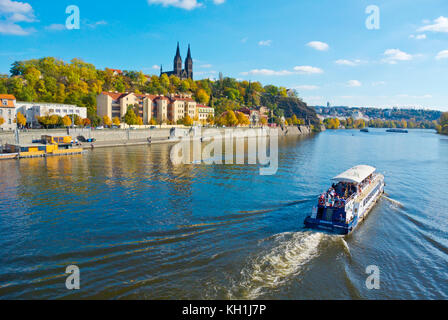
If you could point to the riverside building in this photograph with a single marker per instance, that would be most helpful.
(158, 107)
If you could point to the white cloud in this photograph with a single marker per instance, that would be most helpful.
(418, 36)
(378, 83)
(265, 43)
(306, 87)
(218, 2)
(351, 63)
(244, 40)
(8, 6)
(206, 66)
(296, 70)
(13, 12)
(55, 27)
(267, 72)
(183, 4)
(14, 29)
(354, 83)
(206, 73)
(308, 70)
(394, 55)
(442, 55)
(156, 67)
(439, 25)
(426, 96)
(96, 24)
(318, 45)
(313, 98)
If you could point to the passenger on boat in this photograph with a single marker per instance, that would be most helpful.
(322, 200)
(340, 189)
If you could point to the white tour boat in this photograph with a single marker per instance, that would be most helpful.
(353, 195)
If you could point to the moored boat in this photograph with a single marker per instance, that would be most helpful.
(348, 202)
(365, 130)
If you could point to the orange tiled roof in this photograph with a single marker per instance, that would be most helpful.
(7, 96)
(116, 70)
(113, 95)
(9, 100)
(181, 99)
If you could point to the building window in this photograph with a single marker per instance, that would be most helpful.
(58, 111)
(77, 111)
(1, 111)
(9, 112)
(5, 102)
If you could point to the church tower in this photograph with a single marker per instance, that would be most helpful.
(178, 63)
(189, 64)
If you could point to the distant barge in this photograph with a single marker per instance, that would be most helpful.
(397, 131)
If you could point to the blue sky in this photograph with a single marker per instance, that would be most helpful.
(322, 47)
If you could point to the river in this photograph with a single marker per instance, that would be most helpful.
(139, 227)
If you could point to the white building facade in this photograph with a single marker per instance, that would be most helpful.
(33, 110)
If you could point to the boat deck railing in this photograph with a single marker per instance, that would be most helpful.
(370, 186)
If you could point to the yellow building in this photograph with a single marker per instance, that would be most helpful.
(162, 108)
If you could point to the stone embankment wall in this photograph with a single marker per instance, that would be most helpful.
(123, 135)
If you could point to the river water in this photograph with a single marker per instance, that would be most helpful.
(139, 227)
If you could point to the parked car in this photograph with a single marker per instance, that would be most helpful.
(84, 139)
(100, 128)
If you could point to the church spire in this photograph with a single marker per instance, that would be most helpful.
(189, 64)
(178, 62)
(178, 50)
(189, 52)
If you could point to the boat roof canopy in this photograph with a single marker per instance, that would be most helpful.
(355, 175)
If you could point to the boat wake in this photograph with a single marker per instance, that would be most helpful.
(394, 202)
(288, 257)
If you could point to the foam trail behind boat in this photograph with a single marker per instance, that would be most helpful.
(272, 269)
(395, 202)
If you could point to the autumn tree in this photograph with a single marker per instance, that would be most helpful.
(139, 121)
(20, 120)
(116, 121)
(106, 121)
(66, 121)
(242, 119)
(130, 118)
(86, 122)
(211, 120)
(230, 119)
(187, 121)
(2, 120)
(202, 96)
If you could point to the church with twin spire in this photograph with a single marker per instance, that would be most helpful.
(182, 74)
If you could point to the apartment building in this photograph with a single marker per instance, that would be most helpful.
(33, 110)
(204, 112)
(7, 112)
(161, 108)
(9, 109)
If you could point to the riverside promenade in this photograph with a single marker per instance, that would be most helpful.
(127, 137)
